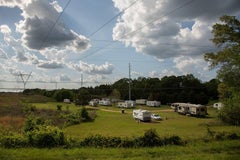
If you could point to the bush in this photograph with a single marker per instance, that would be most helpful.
(32, 123)
(149, 139)
(13, 140)
(46, 136)
(28, 108)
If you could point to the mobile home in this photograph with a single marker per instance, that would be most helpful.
(190, 109)
(105, 102)
(142, 115)
(141, 101)
(153, 103)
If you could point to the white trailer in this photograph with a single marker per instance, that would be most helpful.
(141, 101)
(218, 105)
(142, 115)
(190, 109)
(153, 103)
(126, 104)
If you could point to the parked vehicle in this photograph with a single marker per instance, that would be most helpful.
(156, 117)
(142, 115)
(190, 109)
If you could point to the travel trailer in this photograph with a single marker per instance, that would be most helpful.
(142, 115)
(189, 109)
(153, 103)
(141, 101)
(126, 104)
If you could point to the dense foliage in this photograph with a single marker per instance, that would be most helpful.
(227, 36)
(168, 89)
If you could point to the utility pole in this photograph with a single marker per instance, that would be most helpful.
(81, 80)
(129, 82)
(24, 78)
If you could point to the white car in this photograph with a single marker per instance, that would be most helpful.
(156, 117)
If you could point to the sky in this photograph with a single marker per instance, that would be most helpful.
(73, 43)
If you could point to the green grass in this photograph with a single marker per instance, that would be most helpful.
(117, 124)
(198, 151)
(111, 122)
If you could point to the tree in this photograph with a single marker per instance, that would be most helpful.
(83, 97)
(227, 35)
(62, 94)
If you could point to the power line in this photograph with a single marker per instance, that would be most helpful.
(53, 26)
(140, 28)
(111, 19)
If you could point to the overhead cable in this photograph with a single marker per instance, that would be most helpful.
(140, 28)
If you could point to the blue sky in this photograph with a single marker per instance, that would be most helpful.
(158, 38)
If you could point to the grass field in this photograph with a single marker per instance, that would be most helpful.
(111, 122)
(218, 150)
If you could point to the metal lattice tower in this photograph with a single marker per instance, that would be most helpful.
(24, 77)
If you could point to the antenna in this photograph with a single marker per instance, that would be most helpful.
(24, 78)
(129, 82)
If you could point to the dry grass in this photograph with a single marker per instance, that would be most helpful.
(10, 122)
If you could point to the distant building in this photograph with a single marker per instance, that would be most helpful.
(66, 100)
(94, 102)
(141, 101)
(105, 102)
(153, 103)
(126, 104)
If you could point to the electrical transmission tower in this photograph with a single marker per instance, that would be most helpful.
(24, 77)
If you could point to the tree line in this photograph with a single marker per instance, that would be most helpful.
(168, 89)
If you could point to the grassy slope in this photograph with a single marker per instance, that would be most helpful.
(215, 150)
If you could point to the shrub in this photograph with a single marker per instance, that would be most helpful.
(28, 108)
(13, 140)
(32, 123)
(59, 107)
(46, 136)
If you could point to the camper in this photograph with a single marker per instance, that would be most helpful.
(142, 115)
(105, 102)
(141, 101)
(94, 102)
(189, 109)
(67, 100)
(153, 103)
(218, 105)
(126, 104)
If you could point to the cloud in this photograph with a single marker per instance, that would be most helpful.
(41, 27)
(5, 29)
(49, 65)
(196, 66)
(56, 6)
(64, 78)
(3, 54)
(158, 28)
(92, 68)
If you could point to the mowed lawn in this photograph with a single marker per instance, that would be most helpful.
(111, 122)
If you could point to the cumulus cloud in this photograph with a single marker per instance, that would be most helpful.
(158, 27)
(49, 65)
(5, 29)
(41, 27)
(106, 68)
